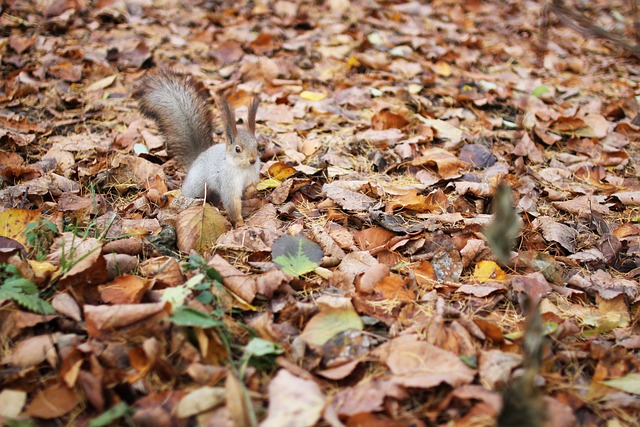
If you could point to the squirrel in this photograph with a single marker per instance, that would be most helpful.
(179, 105)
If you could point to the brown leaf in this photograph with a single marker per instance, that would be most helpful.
(293, 401)
(372, 239)
(67, 71)
(371, 277)
(355, 263)
(447, 165)
(127, 171)
(239, 283)
(363, 398)
(584, 205)
(346, 198)
(435, 201)
(394, 288)
(103, 319)
(495, 367)
(477, 155)
(65, 304)
(70, 367)
(54, 401)
(534, 285)
(387, 120)
(249, 238)
(419, 364)
(33, 351)
(267, 284)
(164, 270)
(481, 291)
(238, 402)
(556, 232)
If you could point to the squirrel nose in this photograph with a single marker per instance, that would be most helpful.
(252, 161)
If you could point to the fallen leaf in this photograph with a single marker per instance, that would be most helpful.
(293, 402)
(53, 402)
(103, 319)
(198, 227)
(200, 400)
(296, 255)
(419, 364)
(329, 322)
(13, 223)
(12, 402)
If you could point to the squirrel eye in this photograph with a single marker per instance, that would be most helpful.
(238, 149)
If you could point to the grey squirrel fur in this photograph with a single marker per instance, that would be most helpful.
(179, 105)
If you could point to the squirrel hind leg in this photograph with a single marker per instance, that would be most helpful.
(213, 197)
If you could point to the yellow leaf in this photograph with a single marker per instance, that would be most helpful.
(102, 84)
(281, 171)
(14, 221)
(489, 271)
(352, 62)
(329, 322)
(198, 227)
(442, 68)
(43, 270)
(313, 96)
(268, 183)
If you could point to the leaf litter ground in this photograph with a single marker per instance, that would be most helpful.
(387, 129)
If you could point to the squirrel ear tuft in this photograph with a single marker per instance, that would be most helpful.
(251, 117)
(228, 118)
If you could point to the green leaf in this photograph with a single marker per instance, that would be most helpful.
(187, 316)
(20, 284)
(258, 347)
(630, 383)
(205, 297)
(109, 416)
(470, 361)
(296, 255)
(23, 292)
(213, 275)
(34, 303)
(540, 90)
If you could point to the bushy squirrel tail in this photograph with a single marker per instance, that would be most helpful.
(179, 105)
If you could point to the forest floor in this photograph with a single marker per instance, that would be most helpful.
(445, 231)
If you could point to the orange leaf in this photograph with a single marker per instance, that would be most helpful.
(53, 402)
(395, 288)
(387, 120)
(124, 290)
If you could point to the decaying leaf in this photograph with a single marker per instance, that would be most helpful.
(419, 364)
(13, 223)
(293, 401)
(198, 228)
